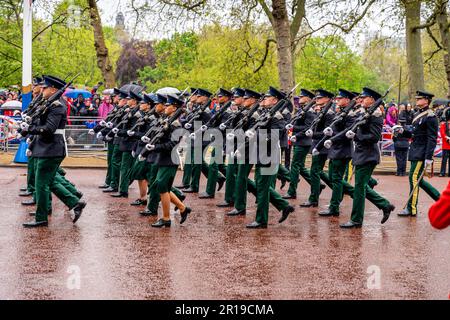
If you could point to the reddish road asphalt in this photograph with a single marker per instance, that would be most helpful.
(115, 254)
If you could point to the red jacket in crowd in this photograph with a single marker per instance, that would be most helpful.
(439, 213)
(445, 144)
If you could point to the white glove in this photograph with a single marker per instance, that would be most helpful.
(428, 163)
(328, 131)
(145, 139)
(192, 135)
(398, 128)
(24, 126)
(327, 144)
(130, 133)
(115, 130)
(28, 140)
(188, 126)
(28, 119)
(293, 139)
(150, 147)
(133, 153)
(28, 153)
(140, 158)
(109, 125)
(309, 133)
(222, 126)
(103, 123)
(230, 136)
(315, 152)
(99, 135)
(91, 132)
(289, 126)
(350, 134)
(249, 134)
(18, 136)
(204, 128)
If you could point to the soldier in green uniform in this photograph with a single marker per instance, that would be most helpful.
(302, 143)
(216, 171)
(126, 144)
(263, 178)
(318, 161)
(232, 166)
(423, 132)
(167, 167)
(49, 149)
(366, 156)
(116, 158)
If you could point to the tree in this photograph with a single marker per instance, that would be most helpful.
(103, 59)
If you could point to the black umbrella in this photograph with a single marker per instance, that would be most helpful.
(131, 87)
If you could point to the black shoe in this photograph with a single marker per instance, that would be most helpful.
(442, 175)
(220, 183)
(350, 224)
(103, 186)
(28, 203)
(78, 210)
(161, 223)
(387, 212)
(190, 190)
(225, 204)
(205, 195)
(35, 224)
(322, 186)
(33, 213)
(283, 183)
(120, 195)
(182, 187)
(285, 213)
(405, 213)
(289, 196)
(25, 194)
(328, 213)
(184, 214)
(148, 213)
(256, 225)
(308, 204)
(139, 202)
(236, 212)
(79, 194)
(109, 190)
(23, 189)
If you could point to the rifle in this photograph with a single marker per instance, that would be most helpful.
(196, 114)
(362, 119)
(214, 119)
(301, 114)
(159, 133)
(149, 116)
(129, 113)
(319, 119)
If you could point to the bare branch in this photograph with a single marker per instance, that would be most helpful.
(266, 9)
(266, 53)
(11, 43)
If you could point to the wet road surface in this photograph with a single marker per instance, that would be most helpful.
(113, 253)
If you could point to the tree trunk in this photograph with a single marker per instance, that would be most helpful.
(283, 37)
(103, 61)
(442, 20)
(413, 47)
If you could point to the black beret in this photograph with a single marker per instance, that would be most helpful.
(423, 94)
(346, 94)
(252, 94)
(321, 93)
(275, 93)
(367, 92)
(306, 93)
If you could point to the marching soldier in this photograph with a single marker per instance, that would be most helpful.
(116, 158)
(302, 144)
(216, 171)
(232, 166)
(263, 178)
(126, 145)
(423, 132)
(323, 97)
(366, 156)
(49, 149)
(167, 168)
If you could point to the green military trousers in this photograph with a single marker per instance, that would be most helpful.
(317, 173)
(109, 156)
(416, 170)
(230, 187)
(214, 172)
(298, 168)
(116, 161)
(336, 173)
(31, 174)
(363, 174)
(126, 167)
(46, 169)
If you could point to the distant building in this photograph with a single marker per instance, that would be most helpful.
(120, 29)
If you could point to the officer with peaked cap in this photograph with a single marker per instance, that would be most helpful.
(423, 132)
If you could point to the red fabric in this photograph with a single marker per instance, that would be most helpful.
(445, 144)
(439, 213)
